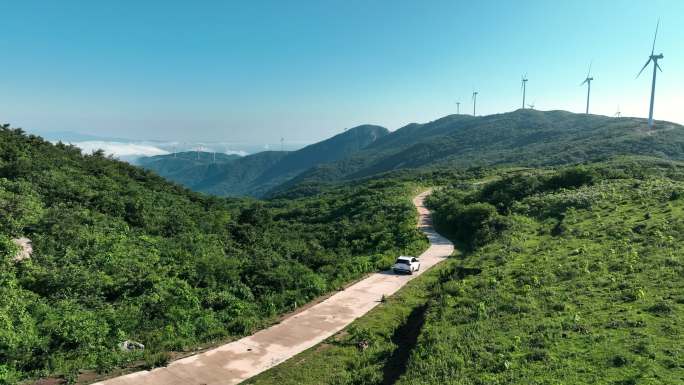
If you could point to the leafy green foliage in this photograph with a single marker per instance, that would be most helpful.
(471, 224)
(121, 254)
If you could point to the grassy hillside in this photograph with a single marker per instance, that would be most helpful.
(121, 254)
(187, 168)
(256, 174)
(570, 276)
(581, 280)
(523, 138)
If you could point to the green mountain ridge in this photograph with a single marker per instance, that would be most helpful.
(519, 138)
(187, 168)
(255, 174)
(523, 138)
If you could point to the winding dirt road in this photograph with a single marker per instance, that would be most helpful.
(237, 361)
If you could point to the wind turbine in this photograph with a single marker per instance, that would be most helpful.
(531, 106)
(474, 102)
(653, 58)
(458, 108)
(523, 86)
(618, 113)
(588, 81)
(282, 146)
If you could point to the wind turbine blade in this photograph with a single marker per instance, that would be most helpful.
(590, 64)
(584, 82)
(644, 67)
(655, 37)
(658, 66)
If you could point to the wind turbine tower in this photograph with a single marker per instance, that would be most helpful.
(458, 108)
(653, 58)
(475, 102)
(524, 89)
(588, 81)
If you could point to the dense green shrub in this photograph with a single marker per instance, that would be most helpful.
(472, 224)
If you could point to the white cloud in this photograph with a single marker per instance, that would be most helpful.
(130, 151)
(119, 149)
(236, 152)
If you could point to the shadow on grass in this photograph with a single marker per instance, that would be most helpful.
(405, 337)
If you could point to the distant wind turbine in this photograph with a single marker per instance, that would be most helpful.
(458, 108)
(618, 113)
(475, 102)
(523, 87)
(588, 81)
(531, 106)
(282, 146)
(653, 58)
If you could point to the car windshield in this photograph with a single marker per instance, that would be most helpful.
(404, 261)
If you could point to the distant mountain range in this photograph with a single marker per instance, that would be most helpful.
(187, 168)
(255, 175)
(523, 137)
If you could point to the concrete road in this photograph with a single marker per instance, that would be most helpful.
(239, 360)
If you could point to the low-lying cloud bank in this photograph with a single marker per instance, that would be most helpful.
(132, 151)
(119, 149)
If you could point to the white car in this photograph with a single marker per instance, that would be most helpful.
(406, 264)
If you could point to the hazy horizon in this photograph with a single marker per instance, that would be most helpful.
(304, 71)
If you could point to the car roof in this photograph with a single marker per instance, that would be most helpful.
(404, 257)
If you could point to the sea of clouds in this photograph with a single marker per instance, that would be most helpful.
(132, 150)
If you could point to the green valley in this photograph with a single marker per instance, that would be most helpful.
(255, 175)
(121, 254)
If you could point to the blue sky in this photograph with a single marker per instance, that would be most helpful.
(257, 70)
